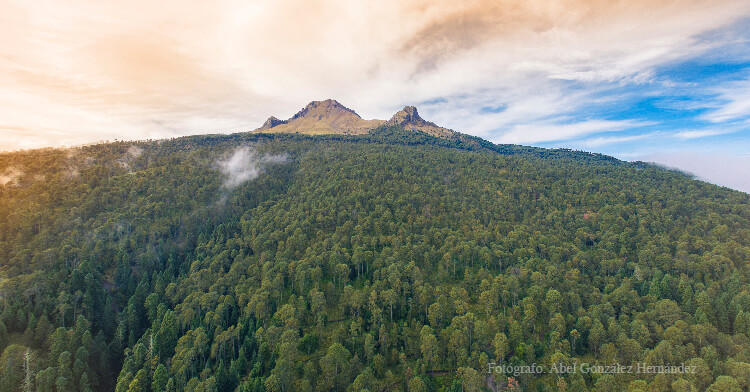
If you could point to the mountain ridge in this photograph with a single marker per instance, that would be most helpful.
(331, 117)
(226, 262)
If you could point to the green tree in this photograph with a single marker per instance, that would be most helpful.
(430, 347)
(724, 384)
(160, 379)
(363, 381)
(65, 380)
(471, 381)
(139, 383)
(417, 385)
(3, 336)
(500, 343)
(84, 385)
(334, 366)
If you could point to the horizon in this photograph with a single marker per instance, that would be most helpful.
(667, 83)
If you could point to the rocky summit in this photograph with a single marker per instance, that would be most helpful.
(321, 117)
(408, 118)
(331, 117)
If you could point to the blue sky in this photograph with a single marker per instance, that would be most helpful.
(690, 113)
(666, 81)
(683, 105)
(694, 109)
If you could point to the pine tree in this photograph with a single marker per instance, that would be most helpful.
(84, 385)
(160, 379)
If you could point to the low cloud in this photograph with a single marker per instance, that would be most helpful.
(134, 151)
(729, 170)
(246, 164)
(131, 154)
(10, 175)
(92, 70)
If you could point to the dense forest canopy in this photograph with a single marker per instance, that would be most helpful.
(388, 261)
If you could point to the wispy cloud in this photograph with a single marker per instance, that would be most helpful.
(697, 134)
(562, 72)
(10, 175)
(525, 134)
(102, 70)
(733, 102)
(246, 164)
(600, 141)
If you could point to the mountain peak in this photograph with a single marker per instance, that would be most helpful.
(325, 108)
(272, 122)
(326, 103)
(322, 117)
(331, 117)
(407, 115)
(409, 119)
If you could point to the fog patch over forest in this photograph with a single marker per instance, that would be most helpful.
(382, 262)
(128, 160)
(135, 151)
(10, 175)
(719, 169)
(246, 164)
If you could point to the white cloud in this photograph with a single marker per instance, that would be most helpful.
(725, 169)
(10, 175)
(701, 133)
(245, 165)
(527, 134)
(600, 141)
(733, 102)
(88, 70)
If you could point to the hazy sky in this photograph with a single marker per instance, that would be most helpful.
(665, 81)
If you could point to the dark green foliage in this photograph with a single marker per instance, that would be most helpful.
(393, 260)
(309, 343)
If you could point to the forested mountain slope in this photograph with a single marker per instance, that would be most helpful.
(392, 260)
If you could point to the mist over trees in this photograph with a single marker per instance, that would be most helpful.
(388, 261)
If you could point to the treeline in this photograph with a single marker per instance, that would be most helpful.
(389, 261)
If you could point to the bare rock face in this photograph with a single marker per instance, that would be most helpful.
(331, 117)
(327, 108)
(272, 122)
(407, 116)
(322, 117)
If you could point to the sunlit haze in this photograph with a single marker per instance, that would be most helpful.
(662, 81)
